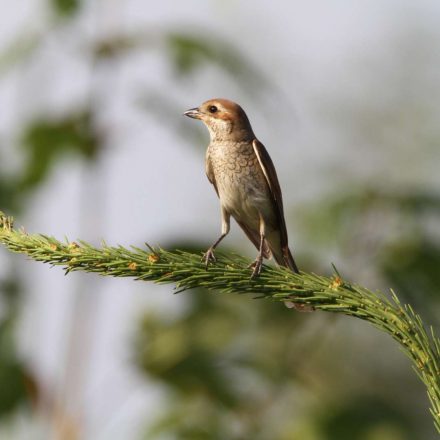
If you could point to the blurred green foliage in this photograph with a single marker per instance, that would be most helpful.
(366, 418)
(211, 360)
(12, 371)
(66, 8)
(47, 140)
(391, 232)
(238, 369)
(189, 52)
(413, 267)
(43, 143)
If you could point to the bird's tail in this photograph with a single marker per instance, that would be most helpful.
(285, 258)
(282, 254)
(289, 261)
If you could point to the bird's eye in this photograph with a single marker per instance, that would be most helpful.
(213, 109)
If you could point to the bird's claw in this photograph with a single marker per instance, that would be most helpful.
(208, 257)
(256, 267)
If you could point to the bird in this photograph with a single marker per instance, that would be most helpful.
(244, 178)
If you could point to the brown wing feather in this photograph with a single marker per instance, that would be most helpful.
(268, 169)
(270, 174)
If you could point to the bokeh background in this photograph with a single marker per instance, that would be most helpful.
(93, 145)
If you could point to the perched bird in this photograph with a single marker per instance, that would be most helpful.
(244, 177)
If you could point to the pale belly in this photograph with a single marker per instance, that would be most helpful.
(246, 197)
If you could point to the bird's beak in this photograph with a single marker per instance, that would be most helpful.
(193, 113)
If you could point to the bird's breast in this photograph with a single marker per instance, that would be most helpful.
(241, 184)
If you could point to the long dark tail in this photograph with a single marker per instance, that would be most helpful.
(280, 251)
(289, 261)
(284, 258)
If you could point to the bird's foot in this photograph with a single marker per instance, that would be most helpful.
(256, 266)
(208, 257)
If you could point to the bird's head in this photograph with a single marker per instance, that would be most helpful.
(224, 119)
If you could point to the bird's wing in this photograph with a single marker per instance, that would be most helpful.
(266, 164)
(270, 174)
(210, 171)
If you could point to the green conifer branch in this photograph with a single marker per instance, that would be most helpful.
(230, 274)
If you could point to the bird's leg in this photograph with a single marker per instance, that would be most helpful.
(257, 264)
(209, 256)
